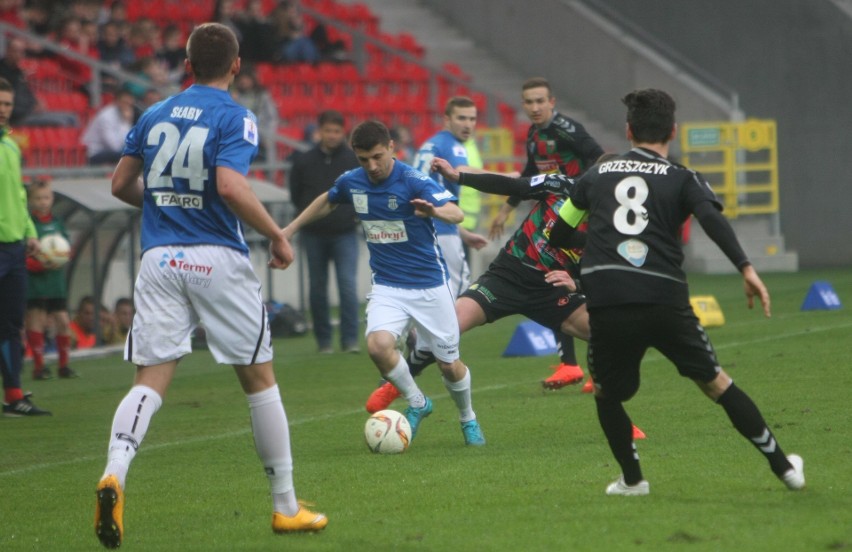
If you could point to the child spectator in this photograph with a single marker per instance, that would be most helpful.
(82, 326)
(47, 295)
(122, 317)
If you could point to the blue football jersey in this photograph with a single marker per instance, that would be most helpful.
(181, 141)
(446, 146)
(404, 249)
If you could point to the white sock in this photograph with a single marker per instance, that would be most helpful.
(272, 441)
(129, 426)
(401, 378)
(460, 392)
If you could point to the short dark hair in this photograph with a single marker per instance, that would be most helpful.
(122, 301)
(370, 134)
(458, 101)
(211, 50)
(6, 86)
(650, 115)
(331, 117)
(537, 82)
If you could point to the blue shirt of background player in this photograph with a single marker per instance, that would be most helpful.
(181, 141)
(404, 251)
(446, 146)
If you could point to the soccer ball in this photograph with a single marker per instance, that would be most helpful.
(387, 432)
(55, 250)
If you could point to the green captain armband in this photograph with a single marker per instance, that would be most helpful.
(571, 214)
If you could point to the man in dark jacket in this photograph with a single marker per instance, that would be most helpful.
(334, 238)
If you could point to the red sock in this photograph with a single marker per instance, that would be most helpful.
(13, 394)
(36, 342)
(63, 345)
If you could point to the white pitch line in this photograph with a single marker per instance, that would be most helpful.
(296, 422)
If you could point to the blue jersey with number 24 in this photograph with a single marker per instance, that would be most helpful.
(181, 141)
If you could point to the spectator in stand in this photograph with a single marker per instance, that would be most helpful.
(113, 49)
(10, 12)
(403, 142)
(258, 43)
(71, 37)
(293, 44)
(116, 13)
(122, 318)
(47, 293)
(155, 73)
(26, 102)
(85, 10)
(149, 98)
(225, 13)
(173, 53)
(144, 38)
(39, 17)
(334, 238)
(84, 335)
(104, 135)
(248, 92)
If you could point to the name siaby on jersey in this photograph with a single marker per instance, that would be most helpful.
(186, 112)
(633, 167)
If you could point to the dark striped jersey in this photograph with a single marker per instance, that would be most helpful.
(563, 146)
(530, 242)
(636, 205)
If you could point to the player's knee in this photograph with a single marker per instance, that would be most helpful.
(380, 345)
(621, 391)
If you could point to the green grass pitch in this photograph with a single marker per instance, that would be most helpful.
(196, 483)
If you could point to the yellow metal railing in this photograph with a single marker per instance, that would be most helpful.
(739, 160)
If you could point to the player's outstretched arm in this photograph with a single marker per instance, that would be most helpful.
(318, 208)
(754, 287)
(126, 182)
(236, 192)
(472, 239)
(449, 212)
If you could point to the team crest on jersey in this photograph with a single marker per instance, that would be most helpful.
(634, 252)
(250, 131)
(359, 201)
(392, 204)
(459, 151)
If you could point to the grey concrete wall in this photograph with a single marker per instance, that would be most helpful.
(789, 60)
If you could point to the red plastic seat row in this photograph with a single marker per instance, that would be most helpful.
(51, 146)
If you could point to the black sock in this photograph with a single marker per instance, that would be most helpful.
(748, 420)
(419, 360)
(566, 349)
(618, 429)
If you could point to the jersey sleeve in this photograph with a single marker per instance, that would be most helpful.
(339, 193)
(238, 141)
(697, 190)
(133, 141)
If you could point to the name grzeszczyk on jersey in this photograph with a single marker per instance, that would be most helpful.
(622, 165)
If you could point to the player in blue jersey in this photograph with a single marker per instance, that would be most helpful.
(448, 144)
(396, 205)
(192, 152)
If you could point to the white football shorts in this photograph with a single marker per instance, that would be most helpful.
(452, 248)
(432, 310)
(181, 287)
